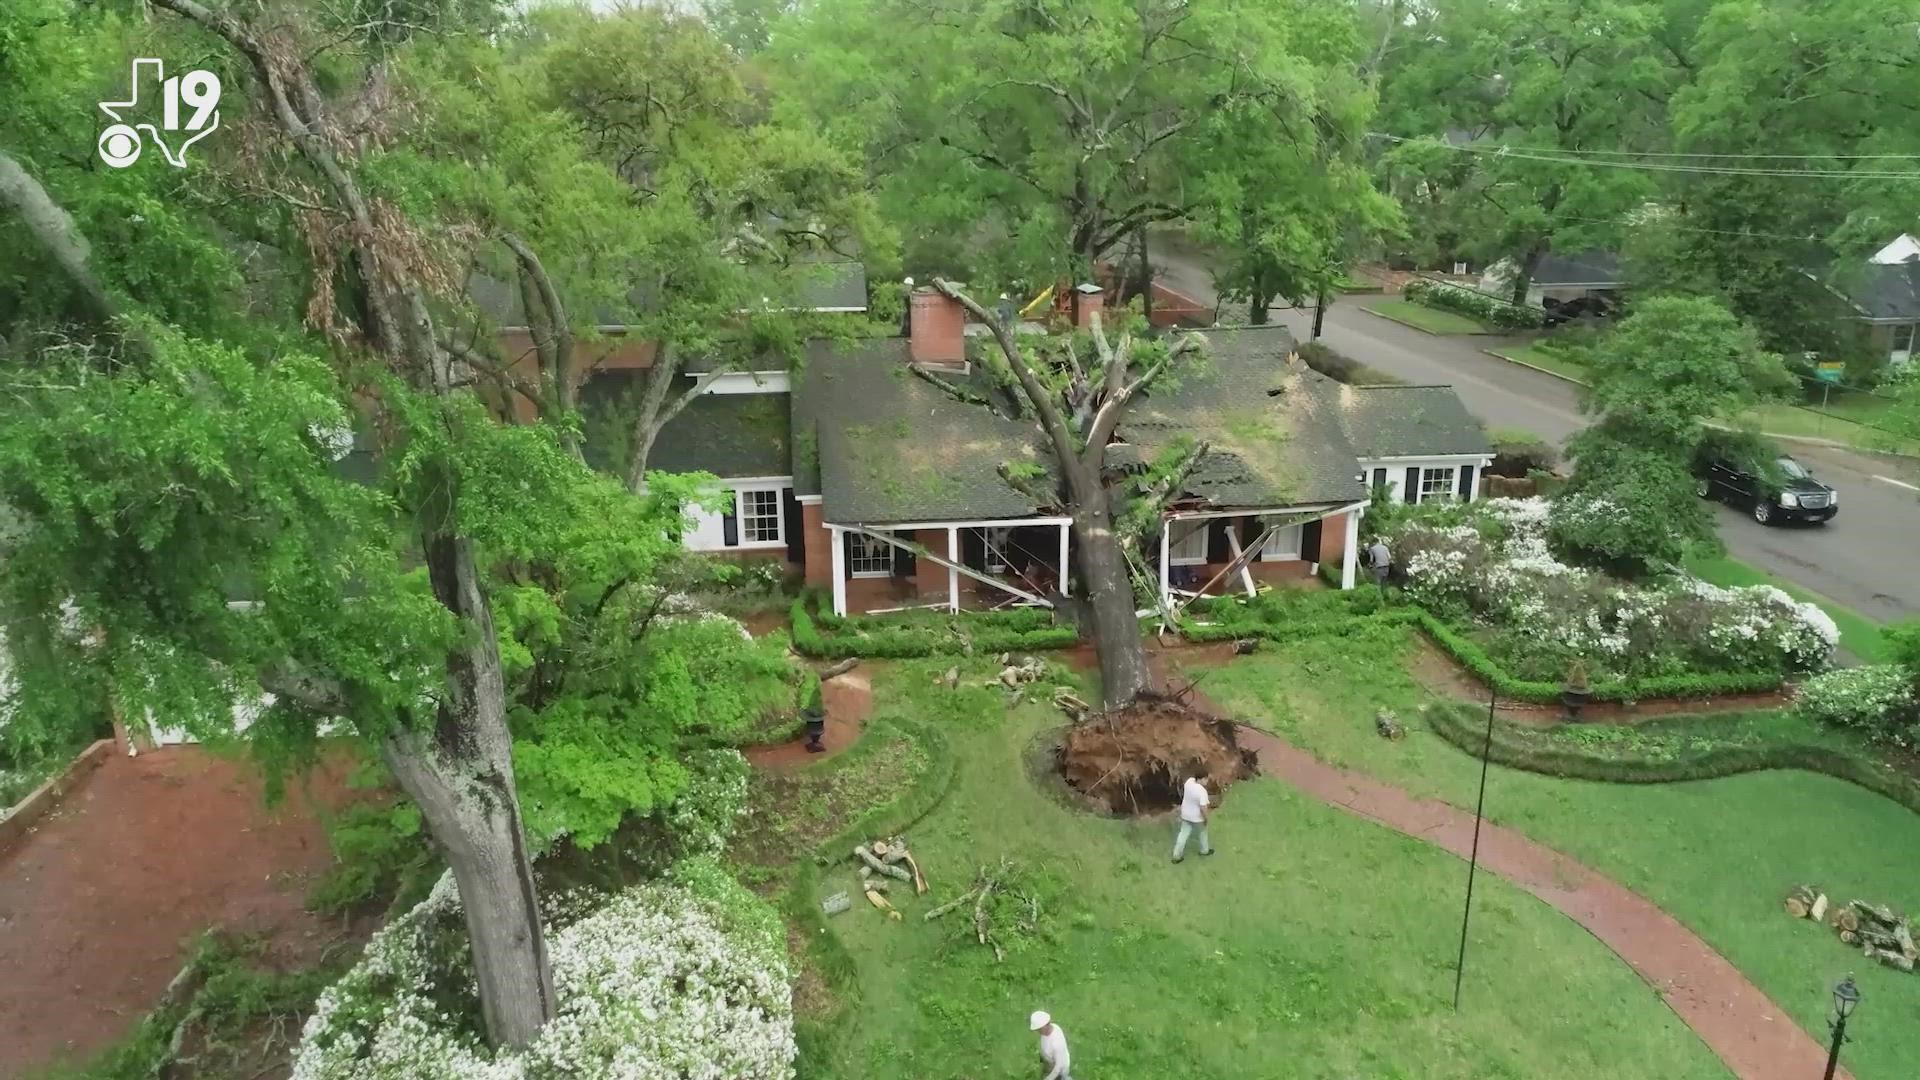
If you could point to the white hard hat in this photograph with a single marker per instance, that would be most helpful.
(1039, 1020)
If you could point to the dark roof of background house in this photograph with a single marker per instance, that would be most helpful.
(1886, 291)
(728, 435)
(1578, 268)
(1273, 427)
(882, 445)
(1404, 421)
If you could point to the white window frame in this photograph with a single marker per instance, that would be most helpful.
(861, 549)
(741, 517)
(741, 543)
(1902, 328)
(999, 538)
(1181, 549)
(1282, 544)
(1428, 473)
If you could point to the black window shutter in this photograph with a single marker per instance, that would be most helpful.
(1412, 492)
(796, 527)
(1379, 478)
(1310, 541)
(973, 549)
(1465, 493)
(729, 524)
(903, 564)
(1217, 549)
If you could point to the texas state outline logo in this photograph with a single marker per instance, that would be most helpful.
(122, 141)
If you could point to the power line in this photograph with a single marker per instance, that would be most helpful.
(1651, 166)
(1693, 154)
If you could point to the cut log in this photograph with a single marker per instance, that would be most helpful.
(919, 879)
(1797, 907)
(880, 902)
(1893, 958)
(880, 848)
(1848, 937)
(950, 905)
(1847, 919)
(866, 856)
(1818, 912)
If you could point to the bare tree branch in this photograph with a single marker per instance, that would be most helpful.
(57, 234)
(1158, 493)
(1041, 497)
(1043, 402)
(515, 381)
(960, 393)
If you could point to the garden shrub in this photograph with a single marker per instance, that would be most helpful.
(1485, 571)
(685, 977)
(379, 853)
(905, 635)
(1475, 304)
(1879, 701)
(1518, 454)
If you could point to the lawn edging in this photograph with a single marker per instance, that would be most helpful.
(1517, 746)
(1497, 354)
(21, 817)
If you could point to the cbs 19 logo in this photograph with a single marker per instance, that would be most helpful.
(197, 94)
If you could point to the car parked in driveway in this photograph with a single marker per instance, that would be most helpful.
(1778, 491)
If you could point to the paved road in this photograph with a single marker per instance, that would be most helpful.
(1867, 558)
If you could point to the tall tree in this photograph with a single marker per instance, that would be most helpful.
(1015, 138)
(1078, 406)
(1546, 80)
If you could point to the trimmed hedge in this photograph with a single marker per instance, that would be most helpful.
(1293, 631)
(1471, 656)
(1475, 304)
(1525, 748)
(822, 634)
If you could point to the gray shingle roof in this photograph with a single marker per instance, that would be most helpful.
(881, 445)
(1578, 268)
(1274, 428)
(1881, 291)
(728, 435)
(1409, 421)
(834, 286)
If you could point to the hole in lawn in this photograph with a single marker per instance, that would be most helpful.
(1134, 760)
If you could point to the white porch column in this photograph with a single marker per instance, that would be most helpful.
(1166, 598)
(839, 569)
(953, 575)
(1353, 544)
(1065, 577)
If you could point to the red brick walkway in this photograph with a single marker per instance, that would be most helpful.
(1750, 1033)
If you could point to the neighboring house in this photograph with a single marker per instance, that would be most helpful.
(1560, 276)
(1885, 295)
(886, 492)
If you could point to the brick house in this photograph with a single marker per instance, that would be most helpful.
(885, 492)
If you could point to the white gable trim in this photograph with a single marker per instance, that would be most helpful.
(747, 382)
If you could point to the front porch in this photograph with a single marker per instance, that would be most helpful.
(1219, 552)
(956, 565)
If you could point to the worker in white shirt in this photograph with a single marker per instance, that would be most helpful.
(1194, 811)
(1053, 1047)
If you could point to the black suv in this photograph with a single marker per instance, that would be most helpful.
(1784, 492)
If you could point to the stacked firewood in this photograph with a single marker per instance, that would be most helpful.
(1881, 933)
(879, 862)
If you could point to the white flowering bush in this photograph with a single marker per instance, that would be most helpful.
(701, 820)
(1879, 701)
(1489, 567)
(686, 978)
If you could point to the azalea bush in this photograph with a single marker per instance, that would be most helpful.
(1488, 567)
(1879, 701)
(687, 977)
(1472, 302)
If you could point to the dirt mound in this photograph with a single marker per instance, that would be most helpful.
(1134, 760)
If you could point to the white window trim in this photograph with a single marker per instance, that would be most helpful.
(777, 485)
(892, 554)
(1173, 544)
(1293, 531)
(1453, 482)
(1894, 340)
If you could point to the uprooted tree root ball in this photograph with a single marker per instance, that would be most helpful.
(1133, 760)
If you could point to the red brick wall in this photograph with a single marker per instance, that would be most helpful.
(1333, 538)
(936, 328)
(930, 576)
(819, 568)
(607, 354)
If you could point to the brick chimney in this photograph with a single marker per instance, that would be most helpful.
(936, 328)
(1087, 299)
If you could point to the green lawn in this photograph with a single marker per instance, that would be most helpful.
(1846, 419)
(1432, 320)
(1716, 854)
(1859, 635)
(1552, 361)
(1314, 944)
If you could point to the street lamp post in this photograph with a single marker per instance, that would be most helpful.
(1845, 997)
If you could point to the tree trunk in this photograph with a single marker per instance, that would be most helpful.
(1259, 305)
(1523, 272)
(1319, 312)
(461, 775)
(1116, 630)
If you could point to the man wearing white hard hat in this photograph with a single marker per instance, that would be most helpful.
(1053, 1046)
